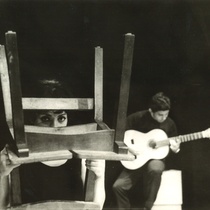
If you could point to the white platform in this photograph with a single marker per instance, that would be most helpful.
(170, 193)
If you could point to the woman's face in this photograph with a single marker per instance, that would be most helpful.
(52, 119)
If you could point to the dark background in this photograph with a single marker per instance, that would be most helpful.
(171, 54)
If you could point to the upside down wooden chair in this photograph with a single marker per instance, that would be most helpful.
(87, 141)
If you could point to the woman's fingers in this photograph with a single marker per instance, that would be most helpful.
(6, 165)
(97, 166)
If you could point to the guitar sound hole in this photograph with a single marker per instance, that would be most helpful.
(152, 144)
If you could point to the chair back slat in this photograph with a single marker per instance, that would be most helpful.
(57, 103)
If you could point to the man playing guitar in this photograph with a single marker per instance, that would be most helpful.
(156, 117)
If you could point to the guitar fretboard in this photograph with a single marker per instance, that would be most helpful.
(182, 138)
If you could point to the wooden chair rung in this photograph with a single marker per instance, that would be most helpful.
(42, 156)
(103, 155)
(57, 103)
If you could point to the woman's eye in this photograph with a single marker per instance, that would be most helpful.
(61, 118)
(45, 119)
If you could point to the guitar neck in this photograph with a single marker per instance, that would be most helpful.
(182, 138)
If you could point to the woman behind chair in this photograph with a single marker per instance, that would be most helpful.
(60, 180)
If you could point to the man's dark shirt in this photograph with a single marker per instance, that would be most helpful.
(142, 121)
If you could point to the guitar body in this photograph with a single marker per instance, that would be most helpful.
(145, 144)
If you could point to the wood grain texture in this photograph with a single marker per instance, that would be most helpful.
(42, 156)
(98, 90)
(16, 94)
(103, 155)
(97, 140)
(57, 103)
(5, 84)
(15, 190)
(124, 90)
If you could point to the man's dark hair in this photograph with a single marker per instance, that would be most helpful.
(160, 102)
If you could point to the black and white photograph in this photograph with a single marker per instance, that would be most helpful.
(104, 104)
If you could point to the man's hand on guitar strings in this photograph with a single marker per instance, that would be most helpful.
(175, 145)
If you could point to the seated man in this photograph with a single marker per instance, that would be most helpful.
(156, 117)
(51, 180)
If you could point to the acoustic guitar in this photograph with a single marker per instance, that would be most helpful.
(153, 145)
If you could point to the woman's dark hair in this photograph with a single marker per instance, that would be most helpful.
(160, 102)
(54, 88)
(46, 88)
